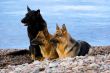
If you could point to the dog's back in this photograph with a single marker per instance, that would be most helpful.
(84, 48)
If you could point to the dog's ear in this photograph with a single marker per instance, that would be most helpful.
(38, 11)
(40, 34)
(64, 30)
(28, 9)
(57, 27)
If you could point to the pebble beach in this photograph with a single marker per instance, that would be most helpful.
(96, 61)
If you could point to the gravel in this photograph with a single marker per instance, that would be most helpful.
(78, 64)
(97, 61)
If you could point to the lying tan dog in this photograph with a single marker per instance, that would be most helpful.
(48, 49)
(66, 45)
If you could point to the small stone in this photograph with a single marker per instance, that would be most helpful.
(36, 62)
(51, 65)
(93, 66)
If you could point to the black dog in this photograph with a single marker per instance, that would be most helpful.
(35, 23)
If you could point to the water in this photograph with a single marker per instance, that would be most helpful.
(87, 20)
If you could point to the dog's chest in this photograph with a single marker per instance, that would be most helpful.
(32, 32)
(61, 50)
(45, 50)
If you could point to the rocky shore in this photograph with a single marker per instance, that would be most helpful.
(97, 61)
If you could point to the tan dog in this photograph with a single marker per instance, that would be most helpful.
(48, 49)
(66, 45)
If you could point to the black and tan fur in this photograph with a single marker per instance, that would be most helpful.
(66, 45)
(35, 23)
(48, 49)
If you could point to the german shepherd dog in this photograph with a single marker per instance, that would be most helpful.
(48, 49)
(35, 23)
(66, 45)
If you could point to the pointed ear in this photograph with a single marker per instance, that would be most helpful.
(64, 30)
(64, 27)
(57, 27)
(38, 10)
(28, 9)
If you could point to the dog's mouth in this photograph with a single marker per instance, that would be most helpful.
(53, 40)
(25, 24)
(36, 42)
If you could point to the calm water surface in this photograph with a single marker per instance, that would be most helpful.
(87, 20)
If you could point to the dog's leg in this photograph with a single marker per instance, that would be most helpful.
(32, 52)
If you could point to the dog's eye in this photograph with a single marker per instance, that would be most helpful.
(56, 34)
(59, 35)
(43, 40)
(27, 14)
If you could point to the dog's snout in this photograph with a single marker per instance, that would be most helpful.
(53, 40)
(33, 42)
(36, 42)
(23, 20)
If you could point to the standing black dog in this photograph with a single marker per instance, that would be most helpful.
(35, 23)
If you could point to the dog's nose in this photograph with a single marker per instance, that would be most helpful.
(53, 40)
(33, 42)
(23, 20)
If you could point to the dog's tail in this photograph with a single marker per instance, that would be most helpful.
(19, 52)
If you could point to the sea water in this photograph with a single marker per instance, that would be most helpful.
(87, 20)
